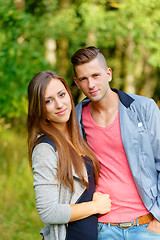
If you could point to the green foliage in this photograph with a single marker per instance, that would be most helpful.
(21, 58)
(63, 23)
(118, 28)
(128, 34)
(18, 216)
(82, 23)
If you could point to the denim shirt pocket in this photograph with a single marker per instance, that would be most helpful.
(151, 192)
(154, 190)
(141, 127)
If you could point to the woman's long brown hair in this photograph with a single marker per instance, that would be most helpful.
(37, 124)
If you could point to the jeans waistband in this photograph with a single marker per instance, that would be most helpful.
(139, 221)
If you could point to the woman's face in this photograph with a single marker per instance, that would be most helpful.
(57, 103)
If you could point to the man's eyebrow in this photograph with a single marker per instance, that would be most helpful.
(81, 78)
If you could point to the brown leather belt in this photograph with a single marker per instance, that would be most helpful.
(141, 220)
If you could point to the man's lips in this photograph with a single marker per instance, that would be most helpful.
(61, 112)
(93, 92)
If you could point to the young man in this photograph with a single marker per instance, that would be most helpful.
(124, 132)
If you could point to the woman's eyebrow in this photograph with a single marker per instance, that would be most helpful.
(57, 93)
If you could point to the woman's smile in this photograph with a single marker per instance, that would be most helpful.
(57, 102)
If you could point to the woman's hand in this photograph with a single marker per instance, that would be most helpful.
(102, 202)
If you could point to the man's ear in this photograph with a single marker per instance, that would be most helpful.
(76, 82)
(109, 73)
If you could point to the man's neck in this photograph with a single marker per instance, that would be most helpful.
(105, 111)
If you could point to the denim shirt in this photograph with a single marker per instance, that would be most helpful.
(140, 133)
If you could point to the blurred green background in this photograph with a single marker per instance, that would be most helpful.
(43, 34)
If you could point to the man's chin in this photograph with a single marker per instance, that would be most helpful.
(95, 98)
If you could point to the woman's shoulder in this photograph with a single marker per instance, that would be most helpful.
(44, 139)
(44, 152)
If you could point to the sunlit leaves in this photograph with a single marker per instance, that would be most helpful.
(109, 25)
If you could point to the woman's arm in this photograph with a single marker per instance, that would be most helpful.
(46, 186)
(100, 204)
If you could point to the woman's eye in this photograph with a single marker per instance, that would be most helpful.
(48, 101)
(62, 94)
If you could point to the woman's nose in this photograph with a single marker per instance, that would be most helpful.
(59, 103)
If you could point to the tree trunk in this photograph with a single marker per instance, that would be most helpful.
(19, 4)
(150, 80)
(91, 38)
(129, 80)
(50, 53)
(62, 56)
(62, 46)
(118, 63)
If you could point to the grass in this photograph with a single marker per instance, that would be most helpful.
(19, 219)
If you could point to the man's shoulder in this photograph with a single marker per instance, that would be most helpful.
(144, 104)
(129, 99)
(79, 106)
(84, 102)
(140, 98)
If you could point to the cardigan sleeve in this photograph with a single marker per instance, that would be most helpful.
(46, 186)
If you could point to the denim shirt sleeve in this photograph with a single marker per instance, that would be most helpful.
(153, 124)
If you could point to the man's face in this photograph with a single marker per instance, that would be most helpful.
(93, 79)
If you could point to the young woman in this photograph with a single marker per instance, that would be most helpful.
(65, 170)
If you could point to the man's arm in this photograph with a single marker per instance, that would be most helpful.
(154, 128)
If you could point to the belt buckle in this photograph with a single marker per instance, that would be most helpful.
(125, 225)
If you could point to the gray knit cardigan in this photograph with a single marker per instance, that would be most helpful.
(52, 198)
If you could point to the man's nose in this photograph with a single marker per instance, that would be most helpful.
(91, 84)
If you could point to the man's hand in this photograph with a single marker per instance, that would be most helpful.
(154, 226)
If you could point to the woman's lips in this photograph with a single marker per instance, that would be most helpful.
(61, 112)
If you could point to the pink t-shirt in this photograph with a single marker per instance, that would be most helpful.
(115, 175)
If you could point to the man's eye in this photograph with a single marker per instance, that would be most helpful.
(48, 101)
(96, 75)
(82, 79)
